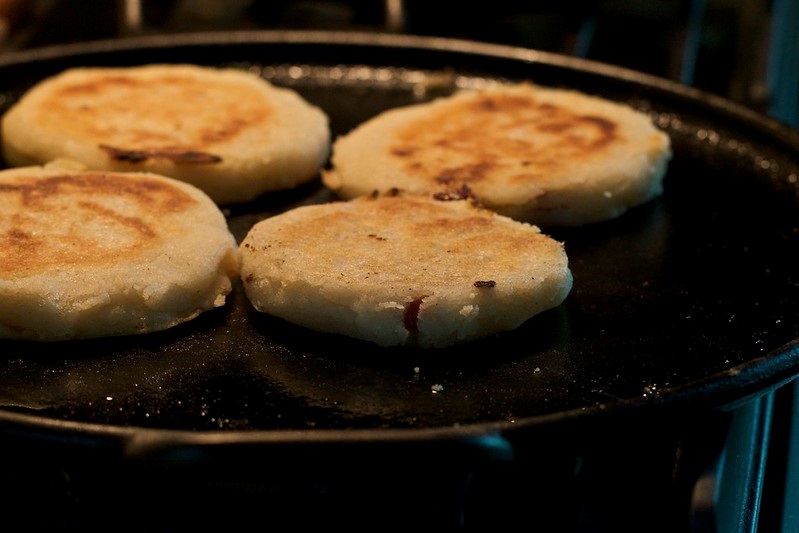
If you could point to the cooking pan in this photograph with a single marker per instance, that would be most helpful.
(685, 305)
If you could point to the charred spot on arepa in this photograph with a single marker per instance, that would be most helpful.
(410, 318)
(463, 192)
(176, 154)
(388, 193)
(465, 174)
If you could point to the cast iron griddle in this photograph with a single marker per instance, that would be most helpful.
(690, 299)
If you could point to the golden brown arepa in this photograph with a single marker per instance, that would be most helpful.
(551, 157)
(402, 270)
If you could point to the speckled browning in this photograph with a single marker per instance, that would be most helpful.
(547, 156)
(523, 133)
(52, 221)
(172, 116)
(402, 269)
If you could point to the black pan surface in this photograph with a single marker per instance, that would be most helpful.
(688, 302)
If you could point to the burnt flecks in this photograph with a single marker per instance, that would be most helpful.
(394, 191)
(463, 193)
(192, 157)
(485, 284)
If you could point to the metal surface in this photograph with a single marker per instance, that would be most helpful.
(686, 304)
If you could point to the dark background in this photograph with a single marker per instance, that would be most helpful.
(745, 50)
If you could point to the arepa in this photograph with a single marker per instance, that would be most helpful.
(548, 156)
(87, 254)
(227, 131)
(402, 270)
